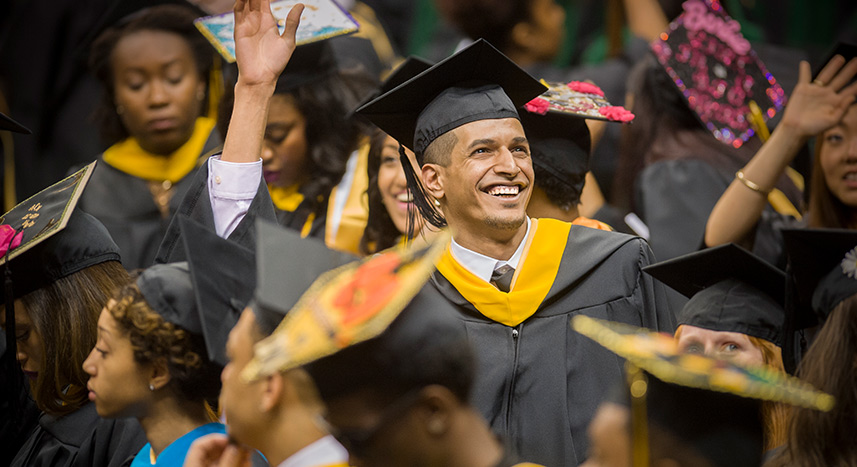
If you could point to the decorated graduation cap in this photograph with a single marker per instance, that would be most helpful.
(223, 276)
(286, 266)
(688, 394)
(477, 83)
(42, 240)
(722, 78)
(8, 124)
(730, 290)
(346, 306)
(555, 124)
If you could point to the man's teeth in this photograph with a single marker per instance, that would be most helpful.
(405, 197)
(504, 190)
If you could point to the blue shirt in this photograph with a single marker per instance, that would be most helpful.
(175, 453)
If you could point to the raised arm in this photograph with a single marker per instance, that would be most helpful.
(813, 107)
(262, 54)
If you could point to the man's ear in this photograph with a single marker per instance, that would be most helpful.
(432, 176)
(436, 409)
(272, 390)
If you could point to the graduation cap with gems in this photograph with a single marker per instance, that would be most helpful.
(477, 83)
(730, 290)
(555, 124)
(689, 394)
(722, 78)
(345, 306)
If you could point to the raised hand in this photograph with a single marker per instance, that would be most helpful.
(261, 52)
(815, 106)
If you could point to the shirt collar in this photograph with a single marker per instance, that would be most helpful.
(483, 266)
(325, 451)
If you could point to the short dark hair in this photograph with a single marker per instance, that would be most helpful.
(174, 19)
(438, 151)
(559, 192)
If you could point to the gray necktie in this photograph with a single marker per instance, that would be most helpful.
(502, 277)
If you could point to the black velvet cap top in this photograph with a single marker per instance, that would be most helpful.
(168, 290)
(53, 239)
(223, 275)
(286, 266)
(8, 124)
(822, 270)
(477, 83)
(730, 290)
(848, 51)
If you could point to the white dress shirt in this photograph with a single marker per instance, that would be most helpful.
(231, 188)
(326, 451)
(483, 266)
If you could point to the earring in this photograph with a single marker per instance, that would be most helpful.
(436, 426)
(151, 387)
(436, 203)
(120, 109)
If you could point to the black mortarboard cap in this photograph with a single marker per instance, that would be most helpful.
(6, 123)
(730, 290)
(168, 290)
(286, 266)
(424, 329)
(822, 267)
(477, 83)
(717, 71)
(223, 274)
(308, 63)
(56, 238)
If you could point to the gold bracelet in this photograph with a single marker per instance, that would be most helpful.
(740, 176)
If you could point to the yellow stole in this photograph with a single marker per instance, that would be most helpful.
(353, 218)
(532, 281)
(780, 202)
(288, 199)
(127, 156)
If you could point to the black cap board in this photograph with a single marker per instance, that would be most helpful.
(8, 124)
(848, 51)
(730, 290)
(56, 239)
(223, 274)
(477, 83)
(286, 266)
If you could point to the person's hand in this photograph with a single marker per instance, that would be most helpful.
(817, 105)
(215, 450)
(261, 52)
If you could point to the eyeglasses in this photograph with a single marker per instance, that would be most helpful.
(358, 440)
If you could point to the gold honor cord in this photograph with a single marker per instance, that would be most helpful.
(639, 386)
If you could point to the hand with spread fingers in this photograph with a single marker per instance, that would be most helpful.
(817, 105)
(215, 450)
(260, 50)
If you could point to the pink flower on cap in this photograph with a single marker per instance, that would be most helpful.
(538, 106)
(585, 88)
(6, 234)
(616, 113)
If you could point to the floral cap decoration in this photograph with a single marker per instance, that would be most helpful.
(346, 306)
(578, 98)
(718, 73)
(658, 355)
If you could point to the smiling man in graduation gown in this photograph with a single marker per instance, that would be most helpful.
(538, 383)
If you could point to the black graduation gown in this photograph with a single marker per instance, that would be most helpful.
(80, 439)
(539, 383)
(196, 204)
(124, 204)
(296, 220)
